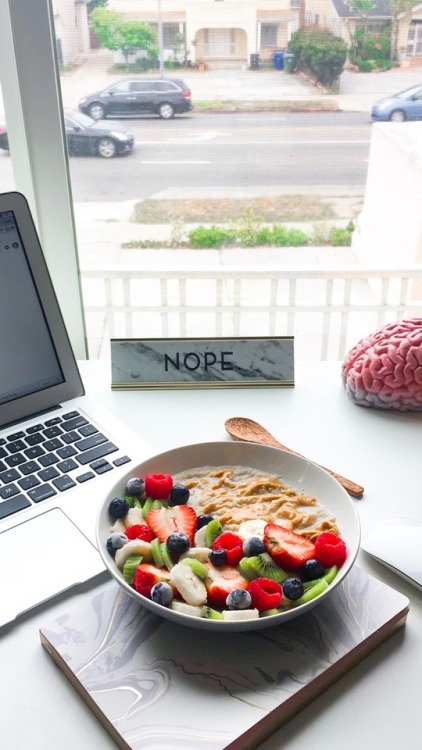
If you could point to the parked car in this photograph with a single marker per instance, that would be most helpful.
(164, 97)
(406, 105)
(85, 136)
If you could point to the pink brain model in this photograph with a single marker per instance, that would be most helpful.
(384, 370)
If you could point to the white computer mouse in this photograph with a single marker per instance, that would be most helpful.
(397, 543)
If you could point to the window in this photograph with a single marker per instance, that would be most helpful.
(268, 35)
(96, 199)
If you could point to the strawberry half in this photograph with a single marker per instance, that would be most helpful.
(288, 549)
(220, 582)
(147, 575)
(166, 521)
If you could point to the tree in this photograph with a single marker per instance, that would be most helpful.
(92, 4)
(114, 32)
(319, 51)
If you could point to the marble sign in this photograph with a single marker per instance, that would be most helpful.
(202, 363)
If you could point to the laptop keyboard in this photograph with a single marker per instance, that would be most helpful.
(51, 457)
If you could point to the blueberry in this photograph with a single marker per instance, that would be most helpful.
(135, 487)
(177, 542)
(218, 557)
(118, 508)
(162, 593)
(252, 546)
(311, 570)
(179, 494)
(116, 541)
(238, 599)
(292, 588)
(203, 520)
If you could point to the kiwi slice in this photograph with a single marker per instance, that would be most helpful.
(198, 568)
(273, 611)
(166, 555)
(213, 529)
(211, 614)
(157, 504)
(331, 573)
(147, 506)
(156, 553)
(129, 568)
(245, 569)
(310, 593)
(264, 566)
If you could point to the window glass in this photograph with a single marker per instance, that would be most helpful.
(143, 204)
(6, 173)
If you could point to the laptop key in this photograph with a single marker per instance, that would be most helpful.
(29, 468)
(16, 445)
(49, 459)
(64, 483)
(9, 490)
(34, 428)
(71, 414)
(53, 421)
(34, 452)
(43, 492)
(52, 432)
(15, 436)
(101, 469)
(73, 424)
(98, 452)
(53, 444)
(28, 482)
(67, 451)
(35, 439)
(13, 505)
(121, 460)
(46, 474)
(66, 466)
(88, 429)
(9, 476)
(90, 442)
(15, 459)
(85, 477)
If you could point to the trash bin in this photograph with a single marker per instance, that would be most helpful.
(289, 62)
(254, 61)
(278, 59)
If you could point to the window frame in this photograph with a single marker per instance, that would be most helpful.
(32, 100)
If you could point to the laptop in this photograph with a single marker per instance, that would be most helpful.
(59, 452)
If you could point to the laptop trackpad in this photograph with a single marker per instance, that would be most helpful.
(42, 557)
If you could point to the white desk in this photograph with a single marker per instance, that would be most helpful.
(377, 705)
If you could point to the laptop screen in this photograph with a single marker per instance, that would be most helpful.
(28, 357)
(38, 370)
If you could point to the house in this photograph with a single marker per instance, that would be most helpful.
(71, 29)
(342, 19)
(217, 33)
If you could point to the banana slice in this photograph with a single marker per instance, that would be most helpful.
(133, 547)
(253, 527)
(186, 609)
(240, 614)
(197, 553)
(189, 586)
(134, 517)
(118, 526)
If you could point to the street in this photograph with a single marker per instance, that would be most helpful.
(211, 150)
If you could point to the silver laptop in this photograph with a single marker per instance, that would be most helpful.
(59, 453)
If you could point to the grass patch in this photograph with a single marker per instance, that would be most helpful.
(277, 209)
(265, 105)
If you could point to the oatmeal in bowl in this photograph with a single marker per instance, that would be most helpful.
(228, 536)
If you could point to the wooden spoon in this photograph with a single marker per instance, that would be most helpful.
(241, 428)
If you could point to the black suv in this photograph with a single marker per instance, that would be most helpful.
(164, 97)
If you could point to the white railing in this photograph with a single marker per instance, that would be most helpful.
(327, 310)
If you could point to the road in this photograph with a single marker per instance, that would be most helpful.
(229, 150)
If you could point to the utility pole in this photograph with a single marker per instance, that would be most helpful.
(160, 40)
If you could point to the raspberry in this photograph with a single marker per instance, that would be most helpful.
(158, 486)
(232, 543)
(330, 549)
(139, 531)
(265, 593)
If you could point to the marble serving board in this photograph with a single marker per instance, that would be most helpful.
(159, 686)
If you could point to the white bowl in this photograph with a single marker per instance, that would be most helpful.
(295, 471)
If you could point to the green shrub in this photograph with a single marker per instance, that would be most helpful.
(340, 236)
(296, 238)
(365, 66)
(320, 52)
(210, 237)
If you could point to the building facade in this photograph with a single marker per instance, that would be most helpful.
(217, 33)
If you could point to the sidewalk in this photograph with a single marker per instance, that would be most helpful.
(357, 92)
